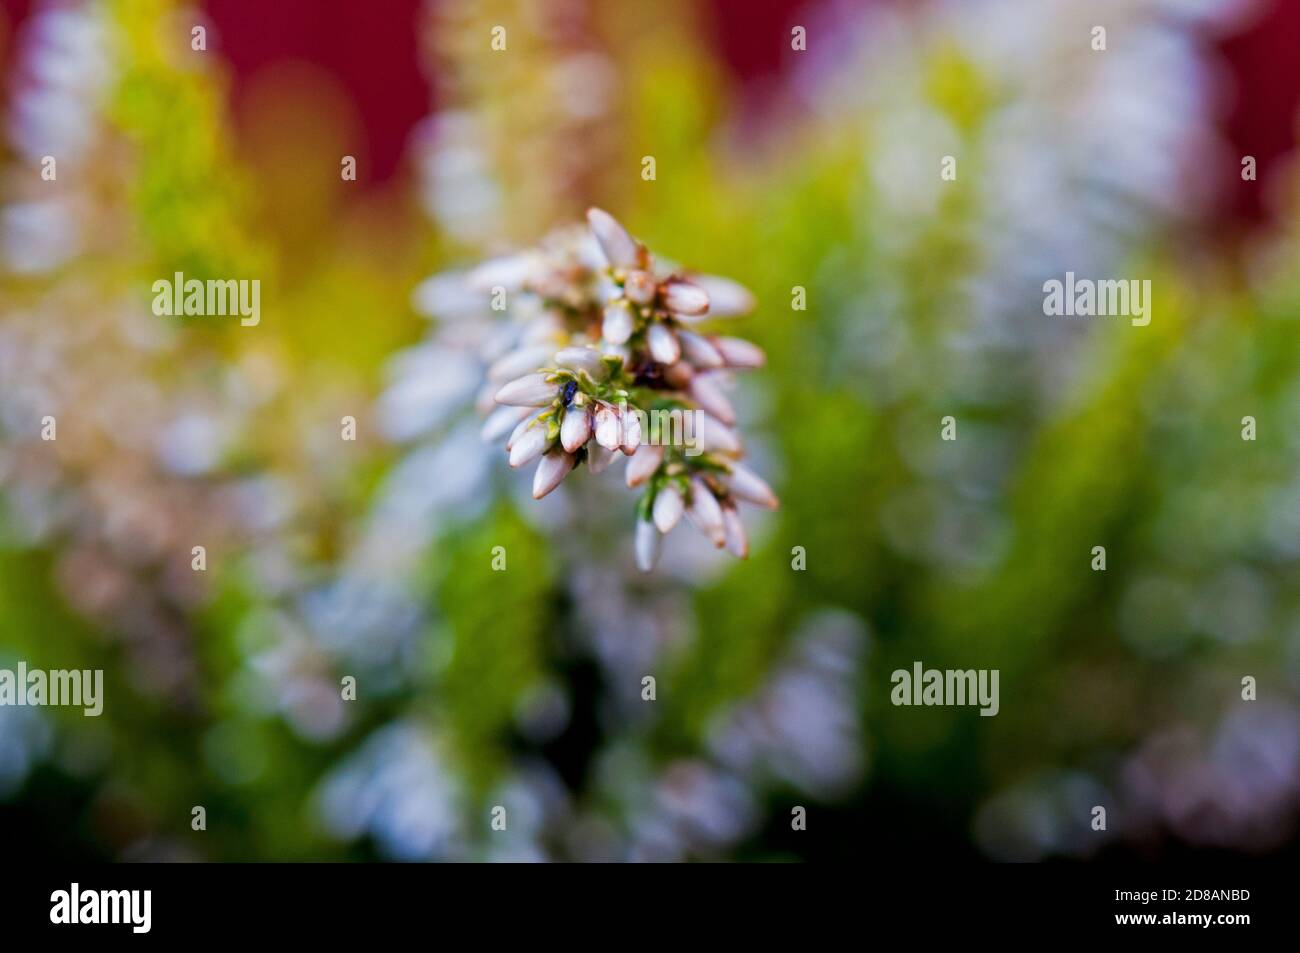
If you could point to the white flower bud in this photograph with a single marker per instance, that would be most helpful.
(663, 343)
(699, 350)
(555, 466)
(575, 430)
(668, 508)
(684, 297)
(726, 297)
(521, 427)
(607, 289)
(531, 445)
(737, 352)
(531, 390)
(749, 486)
(616, 327)
(649, 542)
(706, 392)
(643, 464)
(620, 248)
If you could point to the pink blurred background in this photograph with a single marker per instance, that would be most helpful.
(364, 61)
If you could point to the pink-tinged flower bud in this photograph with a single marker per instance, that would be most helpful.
(749, 486)
(706, 392)
(712, 434)
(737, 352)
(509, 366)
(620, 248)
(663, 343)
(502, 421)
(734, 529)
(705, 514)
(586, 359)
(609, 429)
(617, 326)
(668, 509)
(531, 445)
(726, 297)
(631, 431)
(643, 464)
(639, 287)
(531, 390)
(576, 428)
(699, 350)
(555, 466)
(598, 458)
(684, 297)
(649, 543)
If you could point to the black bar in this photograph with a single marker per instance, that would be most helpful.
(876, 898)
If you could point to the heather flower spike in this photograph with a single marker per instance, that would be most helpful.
(610, 361)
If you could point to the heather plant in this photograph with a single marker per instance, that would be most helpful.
(418, 601)
(608, 347)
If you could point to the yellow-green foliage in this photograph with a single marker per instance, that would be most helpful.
(187, 190)
(492, 637)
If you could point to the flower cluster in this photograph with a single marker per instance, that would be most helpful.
(609, 361)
